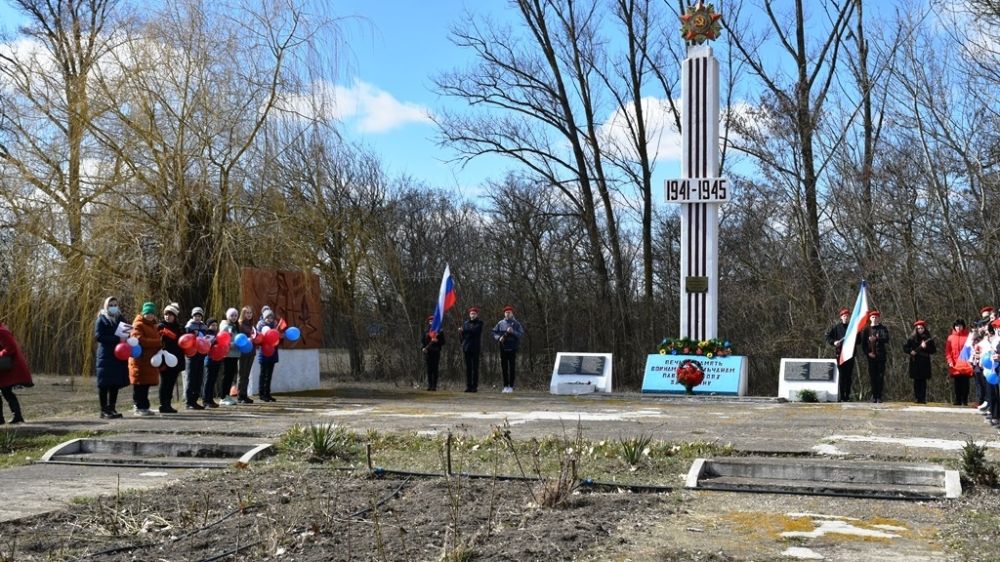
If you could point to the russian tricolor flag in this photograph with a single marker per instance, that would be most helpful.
(859, 319)
(446, 300)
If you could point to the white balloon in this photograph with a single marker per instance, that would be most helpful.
(265, 329)
(170, 359)
(132, 341)
(157, 360)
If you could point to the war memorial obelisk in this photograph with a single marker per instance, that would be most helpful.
(699, 190)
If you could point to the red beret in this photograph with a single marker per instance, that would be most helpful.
(508, 308)
(473, 309)
(843, 311)
(986, 310)
(430, 317)
(874, 312)
(920, 323)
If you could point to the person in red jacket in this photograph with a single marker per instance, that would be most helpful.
(16, 375)
(959, 370)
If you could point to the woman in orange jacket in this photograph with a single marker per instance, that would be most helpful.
(141, 371)
(959, 370)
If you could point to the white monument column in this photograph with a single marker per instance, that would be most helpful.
(699, 191)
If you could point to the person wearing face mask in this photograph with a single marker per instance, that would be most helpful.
(112, 372)
(873, 340)
(141, 371)
(835, 337)
(471, 333)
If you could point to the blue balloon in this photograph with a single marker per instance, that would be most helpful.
(241, 340)
(673, 352)
(993, 378)
(136, 352)
(247, 346)
(987, 362)
(293, 334)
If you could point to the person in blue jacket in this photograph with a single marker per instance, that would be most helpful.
(112, 373)
(508, 333)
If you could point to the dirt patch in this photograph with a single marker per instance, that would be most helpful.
(317, 515)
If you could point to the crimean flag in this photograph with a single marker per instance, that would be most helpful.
(859, 319)
(446, 300)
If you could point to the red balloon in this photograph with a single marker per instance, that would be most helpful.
(123, 351)
(203, 345)
(258, 338)
(217, 353)
(272, 337)
(187, 341)
(223, 339)
(267, 350)
(190, 352)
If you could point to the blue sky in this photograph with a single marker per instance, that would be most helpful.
(385, 91)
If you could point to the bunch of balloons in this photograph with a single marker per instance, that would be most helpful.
(164, 358)
(128, 348)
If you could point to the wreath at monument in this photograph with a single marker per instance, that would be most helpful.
(690, 374)
(686, 346)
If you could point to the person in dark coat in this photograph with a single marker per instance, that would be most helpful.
(920, 346)
(471, 333)
(112, 372)
(212, 368)
(874, 339)
(195, 361)
(845, 371)
(249, 329)
(268, 356)
(431, 347)
(508, 333)
(170, 331)
(16, 375)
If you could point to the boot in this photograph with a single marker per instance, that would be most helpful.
(15, 408)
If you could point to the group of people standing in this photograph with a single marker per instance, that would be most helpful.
(507, 333)
(156, 335)
(970, 356)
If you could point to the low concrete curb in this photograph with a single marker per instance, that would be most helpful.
(883, 480)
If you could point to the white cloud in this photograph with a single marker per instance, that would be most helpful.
(366, 106)
(663, 138)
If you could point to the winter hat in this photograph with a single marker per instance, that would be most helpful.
(148, 307)
(197, 310)
(508, 308)
(172, 308)
(920, 323)
(267, 313)
(843, 311)
(232, 312)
